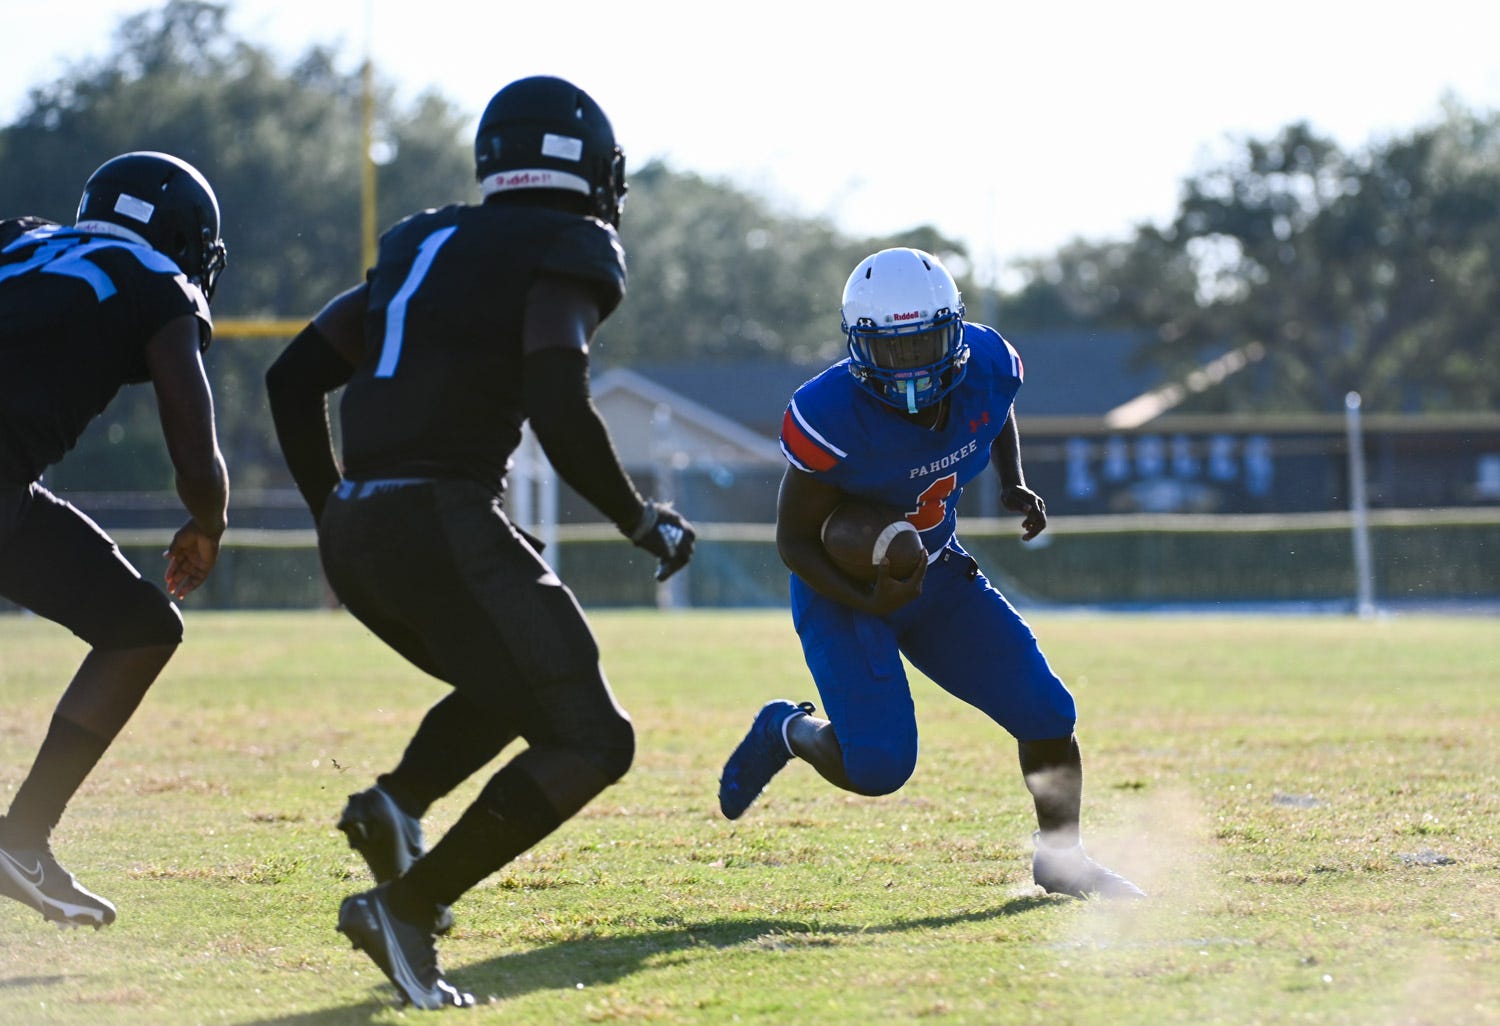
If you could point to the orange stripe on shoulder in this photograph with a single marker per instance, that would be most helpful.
(809, 452)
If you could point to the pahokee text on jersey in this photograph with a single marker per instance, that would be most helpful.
(76, 312)
(439, 391)
(841, 434)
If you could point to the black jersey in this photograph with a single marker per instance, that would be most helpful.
(76, 312)
(439, 392)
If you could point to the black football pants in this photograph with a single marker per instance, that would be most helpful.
(59, 564)
(436, 570)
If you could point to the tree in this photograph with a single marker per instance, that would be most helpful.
(1373, 272)
(1426, 224)
(716, 274)
(282, 150)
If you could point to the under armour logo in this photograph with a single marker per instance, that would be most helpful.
(31, 876)
(984, 418)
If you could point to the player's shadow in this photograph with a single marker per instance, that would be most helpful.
(33, 981)
(593, 960)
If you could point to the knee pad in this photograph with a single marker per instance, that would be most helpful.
(543, 786)
(594, 730)
(878, 771)
(613, 753)
(616, 757)
(1052, 715)
(145, 618)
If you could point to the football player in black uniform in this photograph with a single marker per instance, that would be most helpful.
(119, 298)
(475, 319)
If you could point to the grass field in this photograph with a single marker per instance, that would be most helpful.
(1313, 804)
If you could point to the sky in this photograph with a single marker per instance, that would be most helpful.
(1013, 127)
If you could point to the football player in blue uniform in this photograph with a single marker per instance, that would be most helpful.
(119, 298)
(474, 319)
(922, 405)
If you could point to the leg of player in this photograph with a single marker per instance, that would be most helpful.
(456, 739)
(578, 747)
(1053, 770)
(780, 732)
(384, 822)
(813, 741)
(106, 690)
(396, 923)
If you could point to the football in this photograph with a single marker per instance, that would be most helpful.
(858, 534)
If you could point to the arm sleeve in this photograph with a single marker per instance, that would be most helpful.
(297, 385)
(574, 437)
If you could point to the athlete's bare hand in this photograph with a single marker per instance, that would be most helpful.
(891, 593)
(190, 557)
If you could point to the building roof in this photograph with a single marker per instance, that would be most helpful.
(1068, 373)
(649, 417)
(754, 394)
(1072, 373)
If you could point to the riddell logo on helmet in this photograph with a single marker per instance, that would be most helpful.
(526, 178)
(913, 315)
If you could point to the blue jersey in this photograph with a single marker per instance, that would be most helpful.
(838, 432)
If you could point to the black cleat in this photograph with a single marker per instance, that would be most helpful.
(1069, 871)
(32, 876)
(388, 839)
(404, 951)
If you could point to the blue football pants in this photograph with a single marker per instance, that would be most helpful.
(961, 633)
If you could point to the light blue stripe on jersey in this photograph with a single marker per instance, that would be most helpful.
(395, 315)
(64, 251)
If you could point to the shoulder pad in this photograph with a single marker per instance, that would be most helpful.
(13, 228)
(590, 249)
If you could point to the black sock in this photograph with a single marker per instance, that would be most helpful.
(454, 741)
(1053, 769)
(510, 815)
(67, 756)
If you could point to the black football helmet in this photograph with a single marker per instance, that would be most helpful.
(546, 133)
(163, 201)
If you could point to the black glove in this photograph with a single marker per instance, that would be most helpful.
(666, 534)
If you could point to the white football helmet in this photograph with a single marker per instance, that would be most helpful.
(904, 320)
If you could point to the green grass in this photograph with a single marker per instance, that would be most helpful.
(1314, 805)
